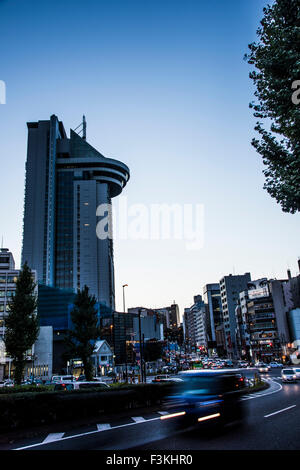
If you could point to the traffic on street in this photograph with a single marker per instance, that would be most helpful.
(270, 421)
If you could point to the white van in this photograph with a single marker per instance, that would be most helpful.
(79, 385)
(62, 378)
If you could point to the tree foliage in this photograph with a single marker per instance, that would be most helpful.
(276, 57)
(21, 323)
(85, 330)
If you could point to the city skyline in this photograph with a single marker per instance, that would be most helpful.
(166, 90)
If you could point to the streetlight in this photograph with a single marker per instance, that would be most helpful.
(126, 372)
(125, 285)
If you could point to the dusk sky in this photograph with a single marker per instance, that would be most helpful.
(164, 89)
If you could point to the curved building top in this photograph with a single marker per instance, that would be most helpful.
(76, 153)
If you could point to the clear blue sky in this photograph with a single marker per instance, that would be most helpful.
(165, 89)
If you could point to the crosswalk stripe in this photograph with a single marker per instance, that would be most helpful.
(138, 419)
(53, 437)
(103, 427)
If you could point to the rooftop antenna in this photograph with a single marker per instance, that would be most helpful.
(83, 127)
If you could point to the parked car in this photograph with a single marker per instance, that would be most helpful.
(275, 365)
(297, 372)
(26, 382)
(62, 378)
(262, 368)
(243, 364)
(37, 382)
(79, 385)
(81, 378)
(159, 378)
(170, 380)
(288, 375)
(228, 363)
(9, 383)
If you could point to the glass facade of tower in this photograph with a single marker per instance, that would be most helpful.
(66, 180)
(64, 230)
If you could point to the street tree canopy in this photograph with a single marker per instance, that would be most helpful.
(21, 323)
(276, 58)
(80, 339)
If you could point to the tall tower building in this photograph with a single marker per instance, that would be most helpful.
(212, 298)
(66, 181)
(230, 287)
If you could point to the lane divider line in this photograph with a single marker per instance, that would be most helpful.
(280, 411)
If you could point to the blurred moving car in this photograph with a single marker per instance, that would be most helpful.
(207, 397)
(80, 385)
(297, 372)
(288, 375)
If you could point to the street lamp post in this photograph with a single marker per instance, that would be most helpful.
(126, 368)
(125, 285)
(140, 346)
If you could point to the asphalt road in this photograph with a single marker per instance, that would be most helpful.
(272, 423)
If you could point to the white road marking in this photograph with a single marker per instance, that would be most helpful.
(264, 394)
(53, 437)
(280, 411)
(135, 423)
(138, 419)
(88, 433)
(103, 427)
